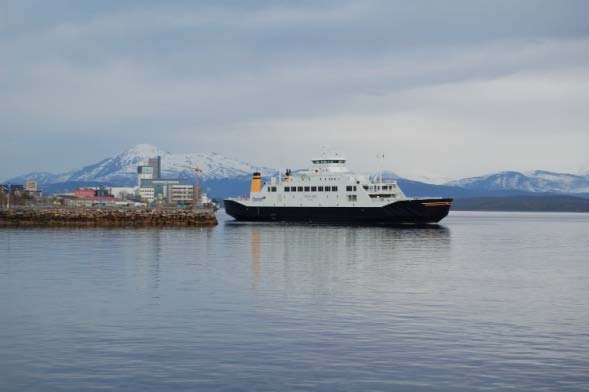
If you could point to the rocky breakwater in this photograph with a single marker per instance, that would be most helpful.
(105, 216)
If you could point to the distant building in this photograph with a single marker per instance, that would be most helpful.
(123, 192)
(156, 165)
(144, 172)
(11, 188)
(84, 193)
(93, 201)
(147, 194)
(151, 171)
(167, 190)
(91, 196)
(100, 191)
(181, 194)
(31, 186)
(151, 187)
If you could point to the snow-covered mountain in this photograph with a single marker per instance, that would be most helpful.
(122, 168)
(387, 175)
(538, 181)
(40, 177)
(223, 176)
(432, 180)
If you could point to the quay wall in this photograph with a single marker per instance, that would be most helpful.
(105, 216)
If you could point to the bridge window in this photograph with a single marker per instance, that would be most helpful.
(307, 189)
(313, 189)
(334, 188)
(287, 189)
(299, 189)
(320, 189)
(325, 161)
(327, 188)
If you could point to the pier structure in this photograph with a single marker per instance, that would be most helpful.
(106, 216)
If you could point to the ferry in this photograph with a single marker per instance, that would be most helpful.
(328, 192)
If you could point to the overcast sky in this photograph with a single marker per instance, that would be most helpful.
(443, 89)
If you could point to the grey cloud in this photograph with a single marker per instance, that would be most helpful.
(205, 75)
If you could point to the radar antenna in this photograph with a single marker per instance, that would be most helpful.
(380, 158)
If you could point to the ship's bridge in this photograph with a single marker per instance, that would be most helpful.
(329, 164)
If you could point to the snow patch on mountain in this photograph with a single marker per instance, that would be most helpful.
(432, 180)
(122, 168)
(386, 175)
(40, 177)
(537, 181)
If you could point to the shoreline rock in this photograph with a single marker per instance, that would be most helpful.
(106, 217)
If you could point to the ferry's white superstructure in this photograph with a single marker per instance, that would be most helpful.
(328, 191)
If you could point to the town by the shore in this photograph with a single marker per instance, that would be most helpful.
(154, 202)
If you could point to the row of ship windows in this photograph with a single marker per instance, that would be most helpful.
(310, 189)
(349, 188)
(323, 161)
(320, 179)
(379, 187)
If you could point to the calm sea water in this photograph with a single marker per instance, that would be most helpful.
(487, 301)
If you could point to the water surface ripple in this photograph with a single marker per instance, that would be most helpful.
(486, 301)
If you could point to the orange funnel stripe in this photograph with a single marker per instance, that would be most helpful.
(256, 183)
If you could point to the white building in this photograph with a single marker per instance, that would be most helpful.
(31, 186)
(122, 191)
(147, 194)
(180, 193)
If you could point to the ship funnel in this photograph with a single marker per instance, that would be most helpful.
(256, 183)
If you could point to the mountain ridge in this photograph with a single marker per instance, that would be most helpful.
(223, 176)
(536, 181)
(122, 168)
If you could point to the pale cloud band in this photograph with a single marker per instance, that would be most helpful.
(444, 91)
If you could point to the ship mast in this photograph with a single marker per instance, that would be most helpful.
(380, 160)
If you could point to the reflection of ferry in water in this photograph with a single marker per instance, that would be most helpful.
(329, 192)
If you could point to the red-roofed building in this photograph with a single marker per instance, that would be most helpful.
(84, 193)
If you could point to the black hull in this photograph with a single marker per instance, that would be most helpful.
(421, 211)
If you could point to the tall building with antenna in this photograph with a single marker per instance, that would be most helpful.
(156, 164)
(152, 187)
